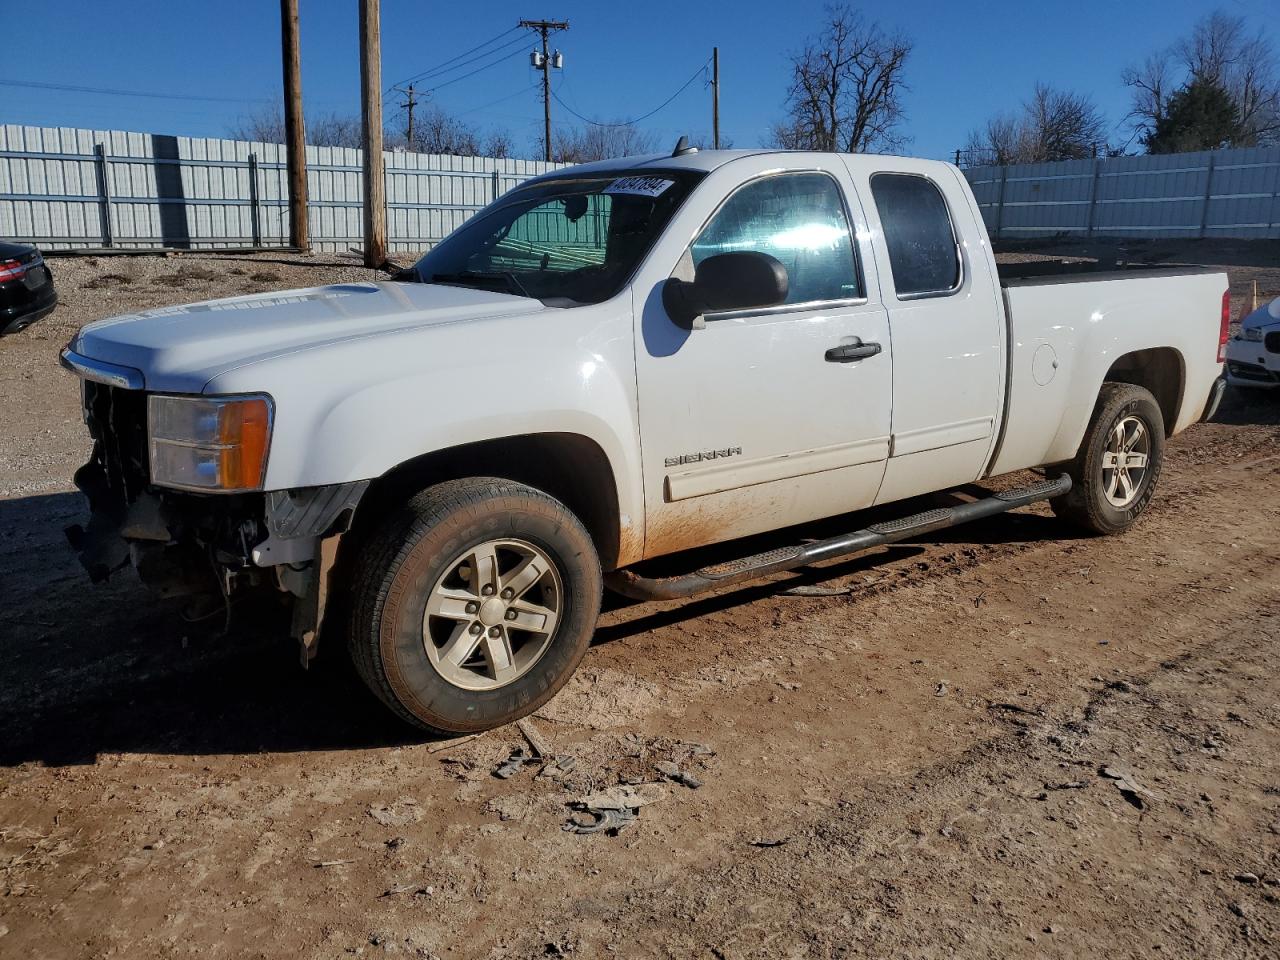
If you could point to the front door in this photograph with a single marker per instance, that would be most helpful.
(760, 419)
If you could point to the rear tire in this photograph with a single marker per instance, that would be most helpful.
(1114, 476)
(473, 604)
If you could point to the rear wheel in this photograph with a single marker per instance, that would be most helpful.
(474, 604)
(1114, 475)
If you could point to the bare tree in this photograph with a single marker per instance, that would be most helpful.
(1222, 50)
(264, 124)
(596, 141)
(999, 142)
(1052, 125)
(335, 130)
(498, 143)
(435, 131)
(846, 87)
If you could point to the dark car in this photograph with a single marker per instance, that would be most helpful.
(26, 287)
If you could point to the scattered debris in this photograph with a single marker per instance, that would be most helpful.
(611, 810)
(411, 888)
(673, 773)
(1013, 708)
(1129, 788)
(557, 769)
(602, 821)
(541, 748)
(331, 863)
(808, 591)
(513, 764)
(399, 812)
(450, 744)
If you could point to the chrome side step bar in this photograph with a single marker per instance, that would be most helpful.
(631, 584)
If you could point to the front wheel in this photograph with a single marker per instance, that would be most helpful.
(474, 604)
(1114, 475)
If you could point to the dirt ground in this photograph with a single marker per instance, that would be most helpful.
(1004, 741)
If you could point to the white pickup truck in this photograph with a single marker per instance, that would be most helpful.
(612, 363)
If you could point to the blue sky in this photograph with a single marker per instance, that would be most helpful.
(621, 60)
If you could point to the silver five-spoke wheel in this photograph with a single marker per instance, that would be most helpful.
(492, 614)
(1124, 461)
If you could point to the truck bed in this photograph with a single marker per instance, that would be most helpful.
(1035, 272)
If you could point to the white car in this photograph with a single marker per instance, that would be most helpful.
(1253, 357)
(612, 363)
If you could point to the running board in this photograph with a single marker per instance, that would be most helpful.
(631, 584)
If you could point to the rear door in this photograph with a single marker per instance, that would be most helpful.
(759, 419)
(946, 322)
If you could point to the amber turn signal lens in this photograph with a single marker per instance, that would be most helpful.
(244, 431)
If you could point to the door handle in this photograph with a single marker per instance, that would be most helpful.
(851, 352)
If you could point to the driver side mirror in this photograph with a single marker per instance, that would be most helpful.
(728, 281)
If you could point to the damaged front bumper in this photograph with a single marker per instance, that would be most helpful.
(184, 543)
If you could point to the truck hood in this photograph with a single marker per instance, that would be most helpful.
(182, 348)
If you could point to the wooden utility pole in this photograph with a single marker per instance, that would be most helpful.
(715, 97)
(375, 189)
(545, 27)
(410, 101)
(295, 137)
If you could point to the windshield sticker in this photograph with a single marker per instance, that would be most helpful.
(639, 186)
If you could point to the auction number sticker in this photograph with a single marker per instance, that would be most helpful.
(639, 186)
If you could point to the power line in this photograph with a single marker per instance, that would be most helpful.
(109, 91)
(494, 103)
(622, 123)
(502, 59)
(444, 65)
(518, 41)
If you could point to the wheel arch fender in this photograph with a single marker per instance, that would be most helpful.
(572, 467)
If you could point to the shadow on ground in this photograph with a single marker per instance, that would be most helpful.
(1245, 406)
(87, 670)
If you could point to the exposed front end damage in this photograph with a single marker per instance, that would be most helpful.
(213, 547)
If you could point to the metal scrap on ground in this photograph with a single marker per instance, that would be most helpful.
(612, 809)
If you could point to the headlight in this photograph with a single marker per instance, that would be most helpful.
(1252, 333)
(209, 443)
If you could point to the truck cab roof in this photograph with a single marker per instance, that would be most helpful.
(705, 161)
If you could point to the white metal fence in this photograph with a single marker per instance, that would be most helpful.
(1218, 193)
(67, 188)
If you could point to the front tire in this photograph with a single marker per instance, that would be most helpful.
(1114, 475)
(473, 604)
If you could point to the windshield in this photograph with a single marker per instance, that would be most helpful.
(567, 241)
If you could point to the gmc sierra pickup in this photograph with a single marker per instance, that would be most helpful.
(611, 363)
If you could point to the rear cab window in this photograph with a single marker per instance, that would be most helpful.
(918, 234)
